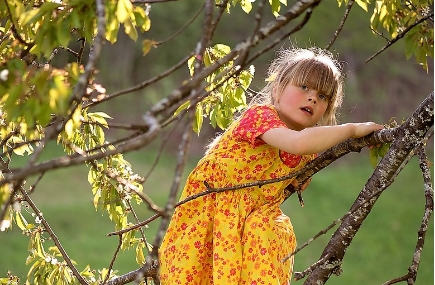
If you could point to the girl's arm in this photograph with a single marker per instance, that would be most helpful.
(316, 139)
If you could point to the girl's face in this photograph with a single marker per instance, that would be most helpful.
(300, 107)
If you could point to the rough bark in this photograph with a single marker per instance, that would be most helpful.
(409, 134)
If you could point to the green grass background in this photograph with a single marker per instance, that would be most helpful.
(382, 249)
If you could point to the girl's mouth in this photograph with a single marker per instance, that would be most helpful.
(308, 110)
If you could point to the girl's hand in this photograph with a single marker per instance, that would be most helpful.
(363, 129)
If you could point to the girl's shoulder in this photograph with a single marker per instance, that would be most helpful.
(261, 112)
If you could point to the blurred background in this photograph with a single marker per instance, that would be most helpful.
(389, 87)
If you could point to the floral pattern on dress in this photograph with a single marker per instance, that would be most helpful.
(236, 237)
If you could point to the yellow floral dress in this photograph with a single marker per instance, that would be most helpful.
(239, 236)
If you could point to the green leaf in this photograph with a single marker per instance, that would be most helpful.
(198, 119)
(183, 106)
(124, 10)
(142, 19)
(97, 196)
(67, 275)
(91, 175)
(373, 155)
(383, 149)
(191, 65)
(13, 98)
(112, 30)
(22, 149)
(411, 43)
(30, 16)
(222, 49)
(207, 59)
(147, 45)
(100, 117)
(36, 14)
(62, 32)
(39, 248)
(21, 221)
(363, 4)
(130, 30)
(53, 276)
(33, 268)
(140, 258)
(246, 6)
(276, 6)
(213, 116)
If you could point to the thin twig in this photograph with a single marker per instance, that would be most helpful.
(300, 275)
(160, 151)
(182, 28)
(143, 84)
(142, 233)
(14, 28)
(53, 237)
(81, 50)
(343, 20)
(399, 36)
(113, 260)
(282, 38)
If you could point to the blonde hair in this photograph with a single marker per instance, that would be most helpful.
(314, 67)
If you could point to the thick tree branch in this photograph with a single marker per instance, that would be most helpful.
(133, 143)
(409, 135)
(342, 149)
(411, 276)
(182, 93)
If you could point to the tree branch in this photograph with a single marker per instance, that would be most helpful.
(133, 143)
(53, 236)
(182, 28)
(144, 84)
(183, 151)
(401, 35)
(312, 167)
(343, 148)
(113, 260)
(409, 135)
(343, 21)
(411, 276)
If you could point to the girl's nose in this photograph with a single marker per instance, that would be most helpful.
(312, 98)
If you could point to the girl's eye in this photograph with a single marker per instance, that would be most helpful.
(323, 97)
(304, 87)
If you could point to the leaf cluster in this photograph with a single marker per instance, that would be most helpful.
(411, 19)
(226, 89)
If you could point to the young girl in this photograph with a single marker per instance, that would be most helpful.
(241, 236)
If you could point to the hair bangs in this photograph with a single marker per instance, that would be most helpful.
(315, 75)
